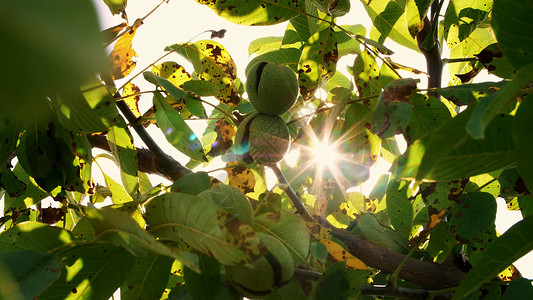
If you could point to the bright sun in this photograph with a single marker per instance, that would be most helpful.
(324, 153)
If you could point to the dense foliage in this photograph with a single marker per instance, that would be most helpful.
(425, 230)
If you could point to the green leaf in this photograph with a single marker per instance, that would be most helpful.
(264, 44)
(397, 20)
(345, 43)
(428, 114)
(291, 290)
(288, 229)
(32, 193)
(57, 58)
(462, 17)
(487, 109)
(333, 284)
(116, 6)
(147, 279)
(495, 62)
(366, 74)
(203, 226)
(466, 94)
(318, 61)
(288, 57)
(440, 243)
(177, 132)
(510, 246)
(93, 271)
(399, 207)
(32, 273)
(512, 24)
(306, 24)
(369, 228)
(36, 237)
(450, 153)
(125, 154)
(118, 194)
(207, 283)
(9, 134)
(255, 12)
(121, 230)
(213, 63)
(519, 288)
(523, 140)
(89, 109)
(480, 38)
(193, 183)
(473, 217)
(11, 184)
(201, 88)
(232, 200)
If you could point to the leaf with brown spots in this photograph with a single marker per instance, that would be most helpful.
(112, 33)
(132, 101)
(173, 72)
(213, 63)
(121, 57)
(318, 62)
(255, 12)
(224, 140)
(241, 178)
(203, 226)
(340, 254)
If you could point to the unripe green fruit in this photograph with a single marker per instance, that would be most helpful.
(272, 88)
(272, 270)
(336, 8)
(263, 138)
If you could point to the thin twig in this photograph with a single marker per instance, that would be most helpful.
(295, 199)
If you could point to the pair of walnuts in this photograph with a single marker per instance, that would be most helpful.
(263, 136)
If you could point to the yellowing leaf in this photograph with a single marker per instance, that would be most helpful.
(224, 137)
(132, 101)
(340, 254)
(122, 55)
(212, 63)
(173, 72)
(241, 178)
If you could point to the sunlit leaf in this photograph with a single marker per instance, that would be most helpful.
(32, 272)
(125, 154)
(428, 114)
(462, 17)
(225, 134)
(318, 61)
(397, 20)
(289, 229)
(264, 44)
(495, 62)
(203, 226)
(510, 246)
(340, 254)
(106, 266)
(466, 94)
(129, 96)
(116, 6)
(118, 194)
(369, 228)
(347, 44)
(212, 62)
(231, 200)
(123, 54)
(399, 207)
(147, 279)
(514, 39)
(255, 12)
(118, 228)
(241, 178)
(34, 236)
(193, 183)
(89, 109)
(177, 132)
(366, 74)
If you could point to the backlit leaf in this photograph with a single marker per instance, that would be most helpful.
(428, 114)
(255, 12)
(288, 57)
(116, 6)
(397, 20)
(241, 178)
(366, 74)
(340, 254)
(128, 94)
(34, 236)
(232, 200)
(462, 17)
(212, 62)
(318, 61)
(122, 56)
(347, 44)
(177, 132)
(203, 226)
(510, 246)
(264, 44)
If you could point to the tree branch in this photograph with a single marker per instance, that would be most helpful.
(428, 43)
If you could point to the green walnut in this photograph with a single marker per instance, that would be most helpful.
(272, 88)
(335, 8)
(274, 269)
(262, 138)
